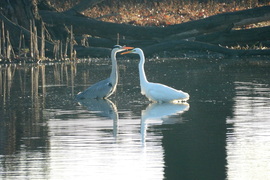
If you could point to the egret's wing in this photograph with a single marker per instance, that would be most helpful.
(160, 92)
(98, 90)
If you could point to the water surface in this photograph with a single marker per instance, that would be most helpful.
(223, 132)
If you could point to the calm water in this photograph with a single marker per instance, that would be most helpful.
(223, 132)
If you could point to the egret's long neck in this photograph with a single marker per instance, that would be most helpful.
(114, 73)
(141, 68)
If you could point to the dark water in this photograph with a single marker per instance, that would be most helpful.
(223, 132)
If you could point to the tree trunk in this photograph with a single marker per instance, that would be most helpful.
(237, 37)
(220, 22)
(17, 17)
(200, 35)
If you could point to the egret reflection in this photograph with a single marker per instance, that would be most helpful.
(161, 113)
(103, 108)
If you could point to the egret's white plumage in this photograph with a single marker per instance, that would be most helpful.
(106, 87)
(155, 91)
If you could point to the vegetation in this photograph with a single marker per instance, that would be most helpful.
(65, 30)
(160, 13)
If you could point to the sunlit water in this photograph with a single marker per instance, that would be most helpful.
(248, 140)
(223, 132)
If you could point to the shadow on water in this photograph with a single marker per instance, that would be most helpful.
(44, 134)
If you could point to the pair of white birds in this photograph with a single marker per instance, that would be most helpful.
(155, 92)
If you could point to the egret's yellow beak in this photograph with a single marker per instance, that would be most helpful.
(126, 52)
(128, 47)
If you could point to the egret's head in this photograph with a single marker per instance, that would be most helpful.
(119, 48)
(133, 51)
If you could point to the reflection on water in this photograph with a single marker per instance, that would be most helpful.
(86, 146)
(25, 92)
(248, 139)
(156, 114)
(224, 134)
(103, 107)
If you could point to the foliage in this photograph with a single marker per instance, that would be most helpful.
(158, 13)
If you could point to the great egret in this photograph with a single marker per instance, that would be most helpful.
(154, 91)
(106, 87)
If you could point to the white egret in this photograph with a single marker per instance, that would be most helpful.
(155, 91)
(106, 87)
